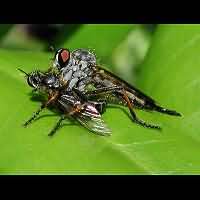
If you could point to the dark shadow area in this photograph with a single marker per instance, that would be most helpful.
(150, 27)
(43, 32)
(45, 115)
(51, 34)
(61, 126)
(36, 97)
(66, 31)
(64, 124)
(4, 29)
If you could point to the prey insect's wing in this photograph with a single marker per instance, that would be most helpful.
(88, 116)
(92, 120)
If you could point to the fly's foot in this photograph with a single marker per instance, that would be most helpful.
(143, 123)
(27, 123)
(34, 116)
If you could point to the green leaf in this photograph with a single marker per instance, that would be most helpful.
(73, 149)
(170, 74)
(102, 38)
(130, 53)
(94, 152)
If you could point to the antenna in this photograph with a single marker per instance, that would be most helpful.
(23, 71)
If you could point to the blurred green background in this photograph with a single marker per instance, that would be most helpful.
(161, 60)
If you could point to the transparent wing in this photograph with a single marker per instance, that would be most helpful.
(88, 116)
(91, 119)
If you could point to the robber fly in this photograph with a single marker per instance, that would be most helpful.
(69, 103)
(81, 89)
(80, 69)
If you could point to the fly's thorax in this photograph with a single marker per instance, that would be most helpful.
(77, 72)
(80, 64)
(75, 67)
(34, 79)
(84, 55)
(51, 81)
(64, 59)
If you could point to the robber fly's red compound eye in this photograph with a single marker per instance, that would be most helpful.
(62, 57)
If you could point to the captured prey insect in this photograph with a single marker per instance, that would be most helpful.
(80, 69)
(69, 103)
(81, 89)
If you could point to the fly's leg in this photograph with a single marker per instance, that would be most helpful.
(56, 127)
(141, 122)
(73, 111)
(99, 105)
(86, 95)
(34, 116)
(50, 100)
(126, 98)
(135, 119)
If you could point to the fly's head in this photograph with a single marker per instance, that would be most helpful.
(83, 61)
(61, 58)
(78, 62)
(41, 81)
(75, 67)
(34, 79)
